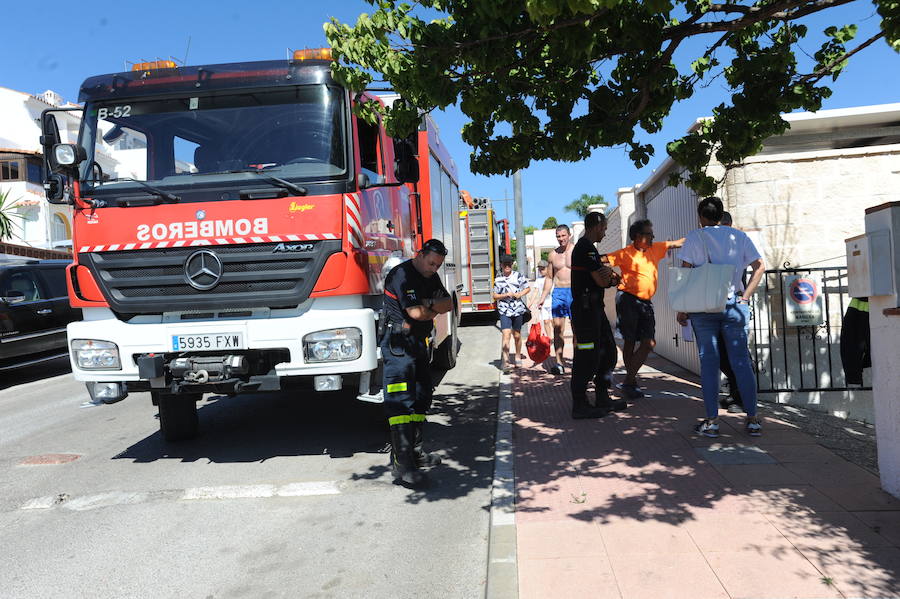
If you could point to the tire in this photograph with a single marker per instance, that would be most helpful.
(177, 415)
(445, 355)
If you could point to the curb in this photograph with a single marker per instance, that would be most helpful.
(502, 569)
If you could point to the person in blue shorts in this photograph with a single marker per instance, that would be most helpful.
(559, 279)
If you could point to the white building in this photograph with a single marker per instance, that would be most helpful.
(37, 223)
(799, 199)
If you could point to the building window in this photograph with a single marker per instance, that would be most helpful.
(60, 228)
(9, 170)
(34, 172)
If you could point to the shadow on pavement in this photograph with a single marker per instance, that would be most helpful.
(36, 372)
(807, 505)
(263, 426)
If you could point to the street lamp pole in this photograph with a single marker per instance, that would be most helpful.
(520, 222)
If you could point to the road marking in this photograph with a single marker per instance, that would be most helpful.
(92, 502)
(229, 492)
(311, 488)
(111, 498)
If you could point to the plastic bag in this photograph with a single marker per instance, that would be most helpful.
(538, 344)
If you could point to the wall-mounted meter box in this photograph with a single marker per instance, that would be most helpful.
(879, 249)
(859, 281)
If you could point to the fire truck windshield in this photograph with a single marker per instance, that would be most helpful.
(215, 140)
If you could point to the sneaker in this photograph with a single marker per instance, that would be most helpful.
(754, 428)
(630, 391)
(735, 408)
(555, 369)
(707, 428)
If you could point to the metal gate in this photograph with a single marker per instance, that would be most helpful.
(798, 358)
(673, 211)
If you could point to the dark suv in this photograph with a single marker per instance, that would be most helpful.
(34, 312)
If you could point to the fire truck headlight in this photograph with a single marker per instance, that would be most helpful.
(91, 354)
(334, 345)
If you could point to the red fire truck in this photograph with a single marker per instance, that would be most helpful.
(232, 224)
(483, 240)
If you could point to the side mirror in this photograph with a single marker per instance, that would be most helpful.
(362, 181)
(49, 135)
(406, 167)
(11, 296)
(55, 188)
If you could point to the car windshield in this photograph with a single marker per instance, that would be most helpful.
(295, 133)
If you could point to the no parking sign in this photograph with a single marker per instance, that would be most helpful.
(803, 300)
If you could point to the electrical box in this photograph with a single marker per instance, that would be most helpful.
(870, 264)
(882, 258)
(859, 282)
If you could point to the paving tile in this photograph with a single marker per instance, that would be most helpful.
(548, 501)
(755, 475)
(816, 454)
(558, 538)
(836, 473)
(621, 536)
(855, 498)
(735, 533)
(773, 573)
(666, 576)
(570, 577)
(826, 531)
(782, 437)
(788, 499)
(721, 454)
(887, 524)
(871, 574)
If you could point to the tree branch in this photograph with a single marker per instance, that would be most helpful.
(778, 11)
(818, 74)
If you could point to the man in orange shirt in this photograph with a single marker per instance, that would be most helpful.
(639, 264)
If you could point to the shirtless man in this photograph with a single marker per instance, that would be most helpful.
(558, 277)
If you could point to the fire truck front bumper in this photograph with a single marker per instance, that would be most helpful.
(320, 343)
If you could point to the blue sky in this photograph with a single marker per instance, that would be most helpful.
(58, 48)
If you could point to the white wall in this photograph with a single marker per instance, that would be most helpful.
(20, 131)
(885, 329)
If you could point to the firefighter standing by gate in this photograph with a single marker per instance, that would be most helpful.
(413, 297)
(595, 348)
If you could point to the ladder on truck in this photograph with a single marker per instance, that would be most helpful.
(481, 255)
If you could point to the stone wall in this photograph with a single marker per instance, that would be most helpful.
(805, 205)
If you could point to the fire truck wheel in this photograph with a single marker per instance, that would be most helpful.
(177, 415)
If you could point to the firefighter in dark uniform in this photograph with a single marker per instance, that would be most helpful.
(595, 348)
(413, 297)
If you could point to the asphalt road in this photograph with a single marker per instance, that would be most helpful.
(283, 495)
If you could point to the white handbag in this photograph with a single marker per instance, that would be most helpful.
(703, 288)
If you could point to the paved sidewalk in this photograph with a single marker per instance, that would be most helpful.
(635, 506)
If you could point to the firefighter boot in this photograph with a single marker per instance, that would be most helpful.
(581, 409)
(423, 458)
(604, 401)
(403, 458)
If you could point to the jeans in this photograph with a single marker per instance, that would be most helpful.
(732, 324)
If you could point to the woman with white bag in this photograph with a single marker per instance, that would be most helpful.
(704, 250)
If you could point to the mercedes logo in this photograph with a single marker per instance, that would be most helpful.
(203, 269)
(201, 214)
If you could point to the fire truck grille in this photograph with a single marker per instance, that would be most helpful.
(245, 276)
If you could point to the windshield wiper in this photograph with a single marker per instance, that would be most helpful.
(295, 189)
(276, 181)
(164, 195)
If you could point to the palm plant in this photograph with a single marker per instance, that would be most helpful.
(7, 224)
